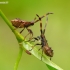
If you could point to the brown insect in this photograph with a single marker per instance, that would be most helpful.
(44, 44)
(17, 23)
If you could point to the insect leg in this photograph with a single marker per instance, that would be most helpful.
(30, 32)
(26, 36)
(34, 39)
(47, 14)
(30, 40)
(34, 19)
(40, 23)
(34, 46)
(22, 30)
(42, 55)
(27, 51)
(45, 25)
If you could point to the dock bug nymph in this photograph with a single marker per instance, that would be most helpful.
(44, 44)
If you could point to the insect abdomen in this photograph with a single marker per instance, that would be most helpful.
(17, 23)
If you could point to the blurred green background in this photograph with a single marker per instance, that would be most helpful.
(57, 32)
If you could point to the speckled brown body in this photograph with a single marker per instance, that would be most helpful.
(24, 24)
(20, 23)
(45, 47)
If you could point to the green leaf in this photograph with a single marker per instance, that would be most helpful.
(50, 68)
(26, 46)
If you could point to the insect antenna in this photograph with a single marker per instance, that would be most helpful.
(45, 25)
(43, 16)
(40, 23)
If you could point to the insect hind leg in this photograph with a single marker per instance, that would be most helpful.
(33, 39)
(45, 25)
(22, 30)
(30, 32)
(34, 46)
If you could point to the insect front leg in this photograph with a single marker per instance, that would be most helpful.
(30, 32)
(22, 30)
(34, 46)
(26, 36)
(27, 51)
(34, 39)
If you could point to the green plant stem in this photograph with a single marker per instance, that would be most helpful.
(19, 57)
(18, 37)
